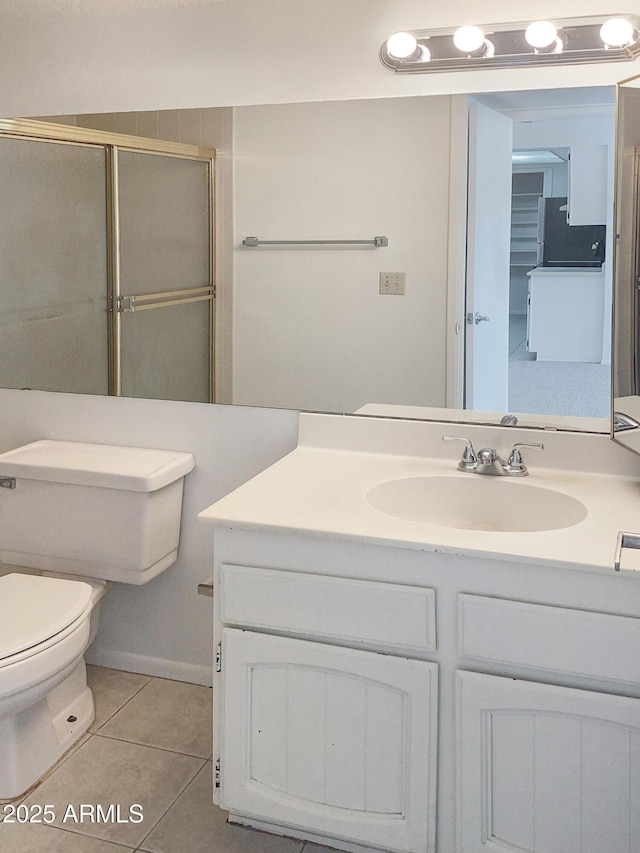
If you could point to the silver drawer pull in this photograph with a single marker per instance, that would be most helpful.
(625, 540)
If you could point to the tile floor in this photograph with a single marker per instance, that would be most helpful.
(150, 745)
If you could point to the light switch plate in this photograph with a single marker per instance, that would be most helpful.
(393, 283)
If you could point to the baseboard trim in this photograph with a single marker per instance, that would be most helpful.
(145, 665)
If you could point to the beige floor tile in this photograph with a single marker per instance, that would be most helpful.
(194, 824)
(319, 848)
(111, 689)
(110, 772)
(169, 714)
(37, 838)
(17, 800)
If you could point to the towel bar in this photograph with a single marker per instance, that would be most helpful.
(254, 241)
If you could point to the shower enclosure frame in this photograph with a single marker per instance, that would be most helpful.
(117, 302)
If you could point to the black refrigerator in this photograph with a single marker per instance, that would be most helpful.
(563, 245)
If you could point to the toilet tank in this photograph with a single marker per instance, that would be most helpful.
(95, 510)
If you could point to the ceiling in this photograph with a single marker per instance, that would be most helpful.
(552, 103)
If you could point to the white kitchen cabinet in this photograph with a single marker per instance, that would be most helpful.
(546, 769)
(565, 314)
(588, 174)
(337, 740)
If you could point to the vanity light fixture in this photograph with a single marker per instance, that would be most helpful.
(471, 40)
(468, 48)
(618, 32)
(543, 36)
(405, 46)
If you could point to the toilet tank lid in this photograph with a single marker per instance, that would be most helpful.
(136, 469)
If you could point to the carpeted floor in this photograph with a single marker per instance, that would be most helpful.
(554, 387)
(560, 388)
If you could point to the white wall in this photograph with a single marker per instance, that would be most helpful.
(79, 56)
(164, 627)
(311, 329)
(65, 57)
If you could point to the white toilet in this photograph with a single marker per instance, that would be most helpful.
(77, 515)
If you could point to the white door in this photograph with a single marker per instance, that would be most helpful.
(488, 248)
(335, 740)
(546, 769)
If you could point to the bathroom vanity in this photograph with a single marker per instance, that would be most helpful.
(392, 684)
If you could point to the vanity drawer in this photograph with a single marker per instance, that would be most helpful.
(545, 637)
(355, 611)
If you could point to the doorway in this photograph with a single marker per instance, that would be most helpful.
(568, 300)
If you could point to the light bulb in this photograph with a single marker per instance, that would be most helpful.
(401, 45)
(617, 32)
(541, 34)
(468, 39)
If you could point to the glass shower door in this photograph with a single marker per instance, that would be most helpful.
(53, 266)
(164, 283)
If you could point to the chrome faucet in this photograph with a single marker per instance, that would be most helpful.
(487, 460)
(508, 420)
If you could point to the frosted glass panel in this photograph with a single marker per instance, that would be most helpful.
(165, 353)
(164, 247)
(53, 258)
(164, 223)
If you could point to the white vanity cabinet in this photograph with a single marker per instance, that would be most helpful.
(332, 738)
(396, 699)
(545, 766)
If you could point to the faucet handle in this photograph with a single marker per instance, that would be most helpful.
(515, 465)
(469, 461)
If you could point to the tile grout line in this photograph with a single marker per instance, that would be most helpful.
(154, 746)
(79, 832)
(124, 704)
(172, 804)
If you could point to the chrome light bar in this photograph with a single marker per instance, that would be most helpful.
(608, 38)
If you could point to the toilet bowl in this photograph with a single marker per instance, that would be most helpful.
(96, 514)
(45, 704)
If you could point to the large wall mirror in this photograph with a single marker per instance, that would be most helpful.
(491, 293)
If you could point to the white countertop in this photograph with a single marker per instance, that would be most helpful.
(566, 271)
(321, 491)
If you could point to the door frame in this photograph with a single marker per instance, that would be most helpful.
(457, 253)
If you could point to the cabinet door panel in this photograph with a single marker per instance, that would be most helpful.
(546, 769)
(338, 740)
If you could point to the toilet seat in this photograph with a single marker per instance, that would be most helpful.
(37, 612)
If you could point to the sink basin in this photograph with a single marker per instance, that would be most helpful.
(477, 502)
